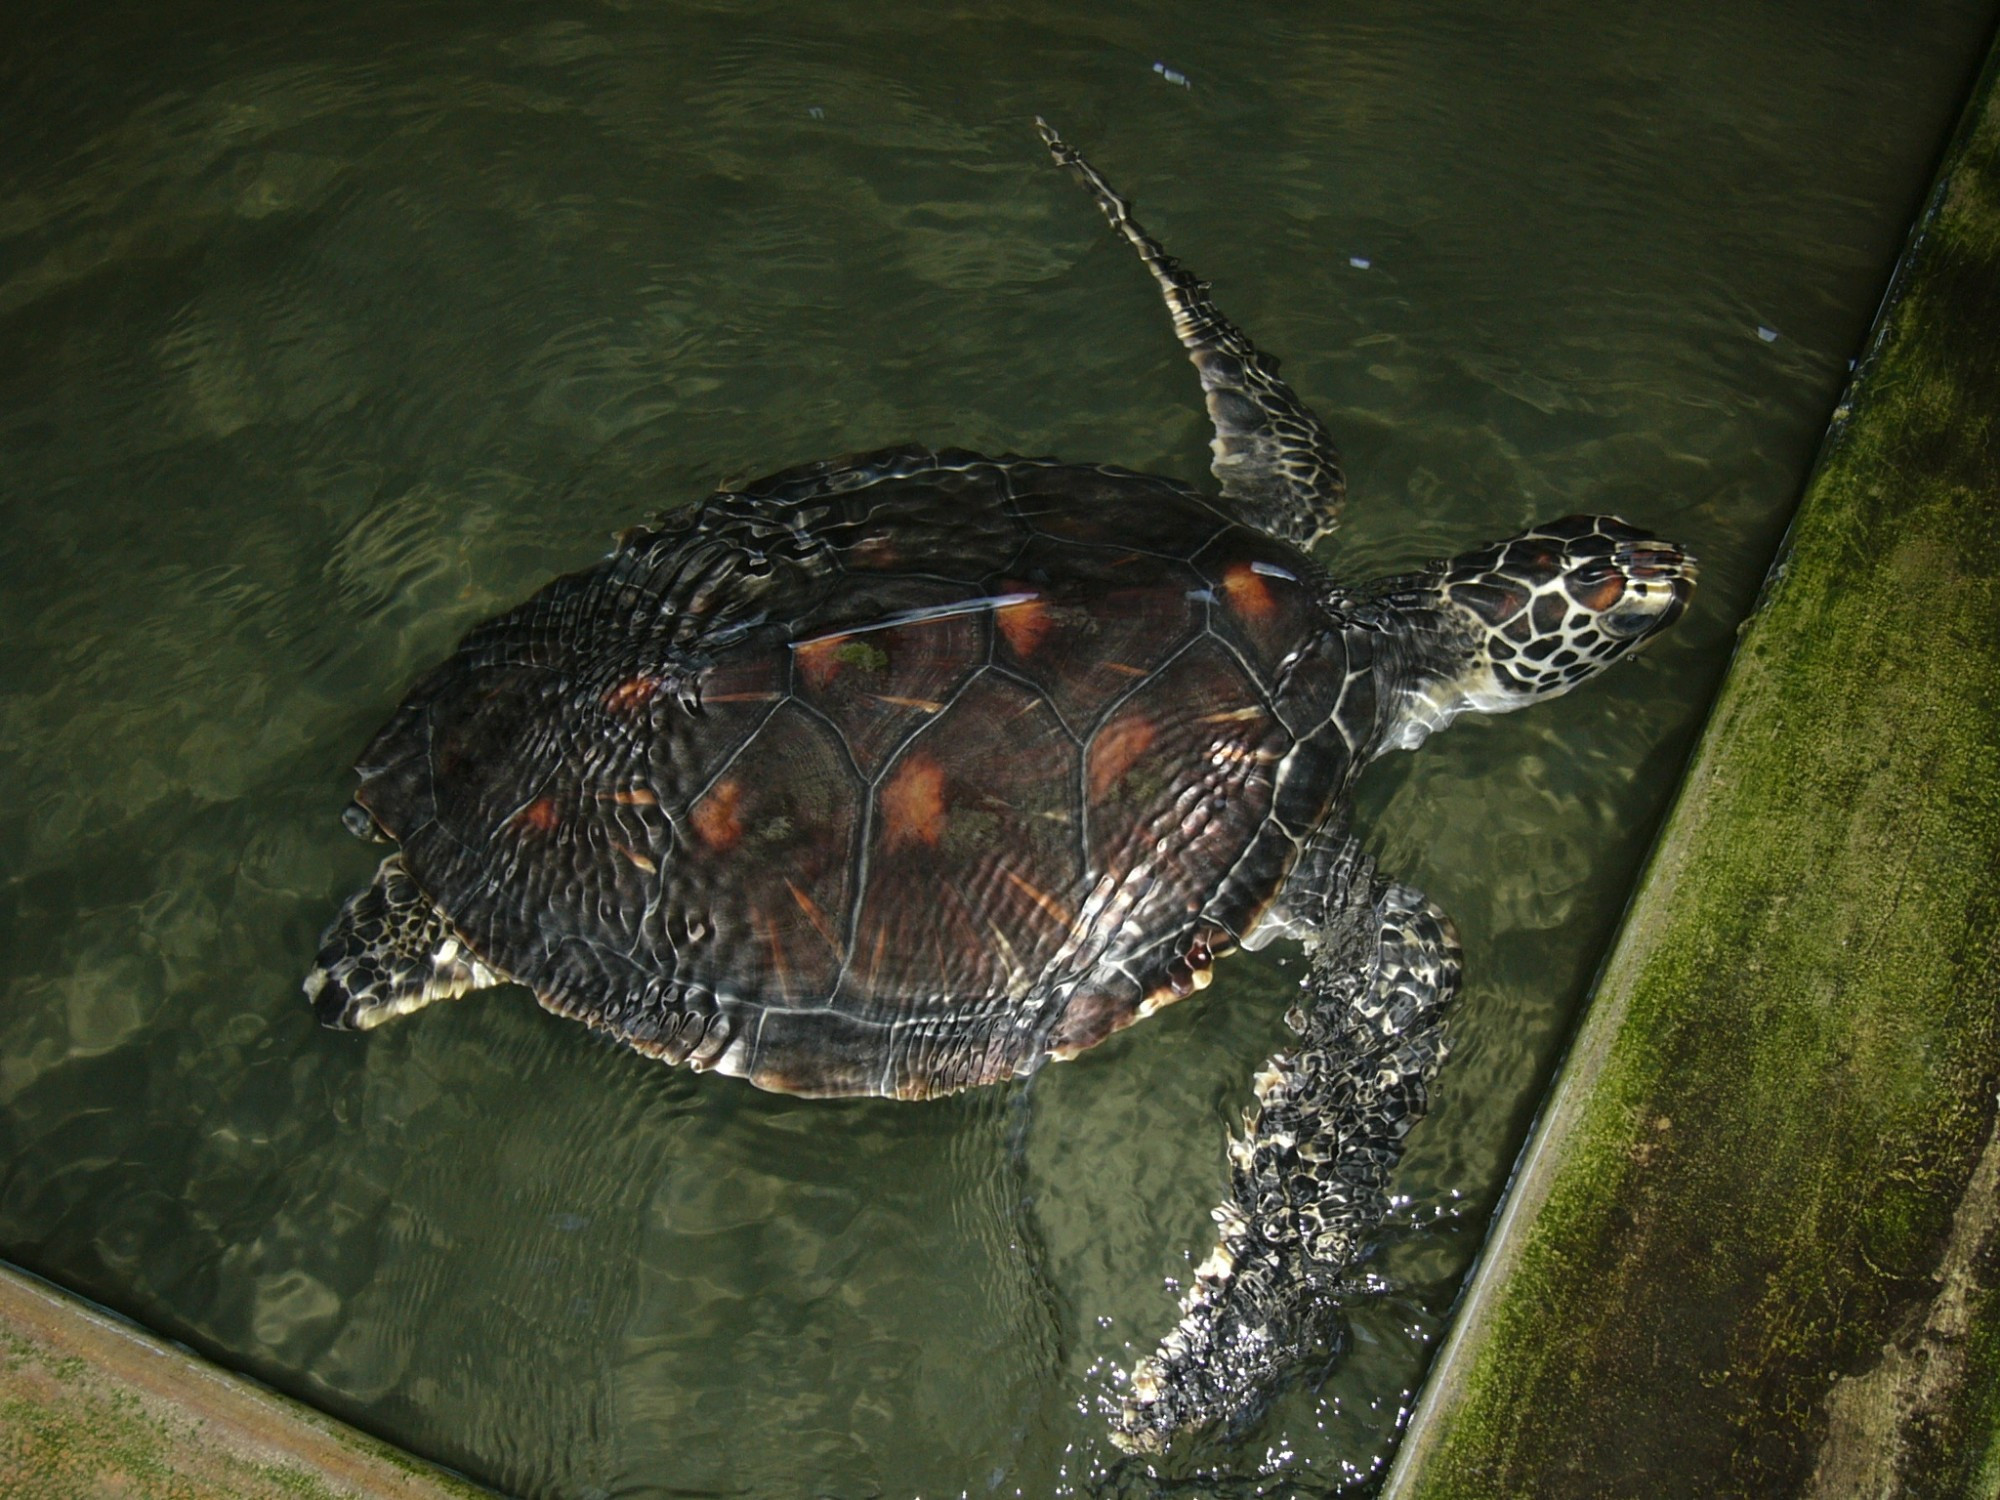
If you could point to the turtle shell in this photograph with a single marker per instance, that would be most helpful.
(894, 775)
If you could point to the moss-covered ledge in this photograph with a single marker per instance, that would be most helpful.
(1752, 1249)
(91, 1406)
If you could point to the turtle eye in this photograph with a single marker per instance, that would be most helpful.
(1643, 616)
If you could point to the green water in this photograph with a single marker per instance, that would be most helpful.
(329, 330)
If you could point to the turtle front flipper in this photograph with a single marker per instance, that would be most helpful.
(389, 952)
(1273, 456)
(1309, 1175)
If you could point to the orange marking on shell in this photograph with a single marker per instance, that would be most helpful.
(540, 815)
(1023, 625)
(637, 858)
(929, 706)
(1123, 669)
(1233, 716)
(781, 972)
(715, 817)
(1041, 898)
(815, 916)
(1248, 592)
(1116, 750)
(875, 958)
(913, 803)
(633, 693)
(633, 796)
(819, 659)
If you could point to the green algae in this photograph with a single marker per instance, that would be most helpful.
(129, 1415)
(1758, 1159)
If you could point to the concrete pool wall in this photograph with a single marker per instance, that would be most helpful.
(91, 1404)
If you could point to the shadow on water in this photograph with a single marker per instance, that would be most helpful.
(331, 335)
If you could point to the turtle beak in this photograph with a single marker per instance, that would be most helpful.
(1659, 583)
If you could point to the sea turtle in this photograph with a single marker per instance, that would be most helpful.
(908, 772)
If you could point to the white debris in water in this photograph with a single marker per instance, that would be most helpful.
(1359, 262)
(1768, 335)
(1177, 78)
(814, 112)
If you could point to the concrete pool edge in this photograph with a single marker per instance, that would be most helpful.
(91, 1403)
(1753, 1245)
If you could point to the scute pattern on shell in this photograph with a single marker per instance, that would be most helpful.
(892, 775)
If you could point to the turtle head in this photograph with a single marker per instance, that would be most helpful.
(1529, 618)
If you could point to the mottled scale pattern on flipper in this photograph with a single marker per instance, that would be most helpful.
(894, 775)
(1272, 455)
(387, 953)
(1309, 1174)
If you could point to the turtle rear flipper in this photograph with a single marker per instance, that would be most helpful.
(389, 952)
(1309, 1175)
